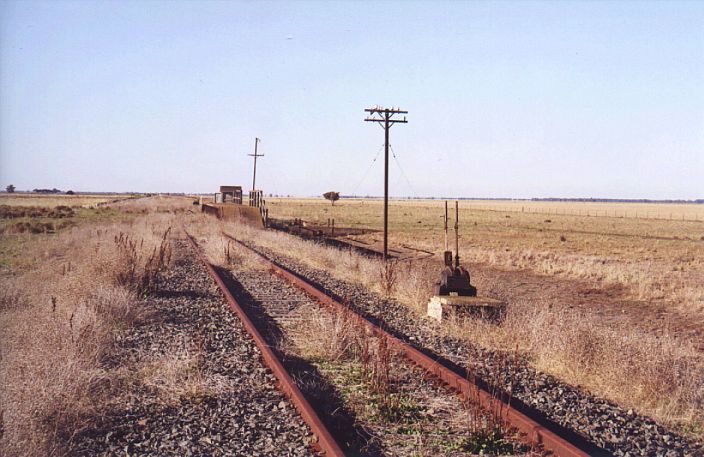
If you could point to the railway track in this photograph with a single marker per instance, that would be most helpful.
(532, 432)
(325, 441)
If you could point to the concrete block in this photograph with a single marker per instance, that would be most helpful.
(446, 306)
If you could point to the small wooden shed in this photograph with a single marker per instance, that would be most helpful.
(231, 194)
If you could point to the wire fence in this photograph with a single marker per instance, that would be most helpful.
(594, 212)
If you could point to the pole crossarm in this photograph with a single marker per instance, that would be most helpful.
(378, 109)
(390, 121)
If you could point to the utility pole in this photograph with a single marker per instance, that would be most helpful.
(384, 117)
(255, 155)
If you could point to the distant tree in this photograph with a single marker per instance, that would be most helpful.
(70, 192)
(332, 196)
(10, 189)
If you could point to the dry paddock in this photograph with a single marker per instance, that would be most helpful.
(66, 307)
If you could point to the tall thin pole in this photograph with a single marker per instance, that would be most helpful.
(457, 234)
(254, 175)
(384, 117)
(255, 155)
(387, 116)
(445, 225)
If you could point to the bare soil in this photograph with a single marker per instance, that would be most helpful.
(608, 302)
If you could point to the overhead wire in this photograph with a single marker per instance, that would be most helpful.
(408, 181)
(368, 169)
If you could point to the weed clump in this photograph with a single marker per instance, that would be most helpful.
(137, 271)
(388, 274)
(488, 442)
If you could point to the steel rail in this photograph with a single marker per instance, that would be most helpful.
(326, 442)
(533, 431)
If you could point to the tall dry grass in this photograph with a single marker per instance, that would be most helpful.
(155, 204)
(665, 374)
(400, 281)
(659, 375)
(654, 260)
(680, 285)
(57, 322)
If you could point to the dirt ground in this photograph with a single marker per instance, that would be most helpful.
(610, 303)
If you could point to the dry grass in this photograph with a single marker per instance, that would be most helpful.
(220, 251)
(57, 320)
(177, 375)
(327, 336)
(156, 204)
(399, 280)
(655, 260)
(665, 373)
(53, 200)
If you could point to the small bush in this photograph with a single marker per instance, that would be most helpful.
(488, 442)
(388, 273)
(11, 298)
(136, 271)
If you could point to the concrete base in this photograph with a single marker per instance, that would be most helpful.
(447, 306)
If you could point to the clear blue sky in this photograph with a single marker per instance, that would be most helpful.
(506, 99)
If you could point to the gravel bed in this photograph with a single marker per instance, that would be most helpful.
(236, 411)
(613, 429)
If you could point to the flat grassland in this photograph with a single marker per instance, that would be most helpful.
(655, 260)
(52, 200)
(593, 300)
(23, 216)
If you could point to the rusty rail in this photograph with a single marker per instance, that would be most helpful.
(533, 431)
(326, 442)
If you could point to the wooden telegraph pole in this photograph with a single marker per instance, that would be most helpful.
(384, 117)
(255, 155)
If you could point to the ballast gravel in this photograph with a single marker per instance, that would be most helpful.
(613, 429)
(244, 415)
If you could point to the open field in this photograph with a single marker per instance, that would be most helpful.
(658, 261)
(669, 211)
(21, 227)
(28, 218)
(52, 200)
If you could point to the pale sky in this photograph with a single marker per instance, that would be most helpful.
(505, 99)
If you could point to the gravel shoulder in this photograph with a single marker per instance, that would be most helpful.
(189, 380)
